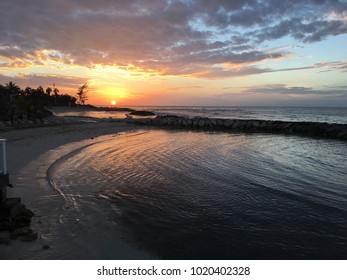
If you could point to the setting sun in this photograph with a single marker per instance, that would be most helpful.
(113, 102)
(221, 54)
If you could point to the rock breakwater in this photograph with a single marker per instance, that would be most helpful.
(327, 130)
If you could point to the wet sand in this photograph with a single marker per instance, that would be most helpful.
(30, 152)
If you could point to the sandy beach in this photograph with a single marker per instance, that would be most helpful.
(30, 153)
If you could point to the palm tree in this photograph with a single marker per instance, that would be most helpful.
(12, 88)
(55, 91)
(49, 91)
(82, 94)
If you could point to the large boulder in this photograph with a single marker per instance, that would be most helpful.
(142, 113)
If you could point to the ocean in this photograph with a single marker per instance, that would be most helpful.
(211, 195)
(307, 114)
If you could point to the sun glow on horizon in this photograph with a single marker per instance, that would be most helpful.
(277, 58)
(101, 95)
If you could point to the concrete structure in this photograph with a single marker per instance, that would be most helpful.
(8, 206)
(4, 180)
(3, 164)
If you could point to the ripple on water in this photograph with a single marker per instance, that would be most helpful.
(196, 195)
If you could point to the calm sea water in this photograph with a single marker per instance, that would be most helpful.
(199, 195)
(329, 115)
(309, 114)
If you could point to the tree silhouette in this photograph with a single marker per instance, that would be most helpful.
(55, 91)
(49, 91)
(82, 94)
(29, 103)
(12, 88)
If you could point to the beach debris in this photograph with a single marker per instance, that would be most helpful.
(23, 218)
(24, 234)
(19, 225)
(17, 232)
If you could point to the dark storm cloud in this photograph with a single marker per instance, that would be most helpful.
(303, 31)
(167, 37)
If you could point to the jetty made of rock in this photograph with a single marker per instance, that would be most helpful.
(325, 130)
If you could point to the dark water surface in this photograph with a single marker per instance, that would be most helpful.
(198, 195)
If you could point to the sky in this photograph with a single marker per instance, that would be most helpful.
(175, 53)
